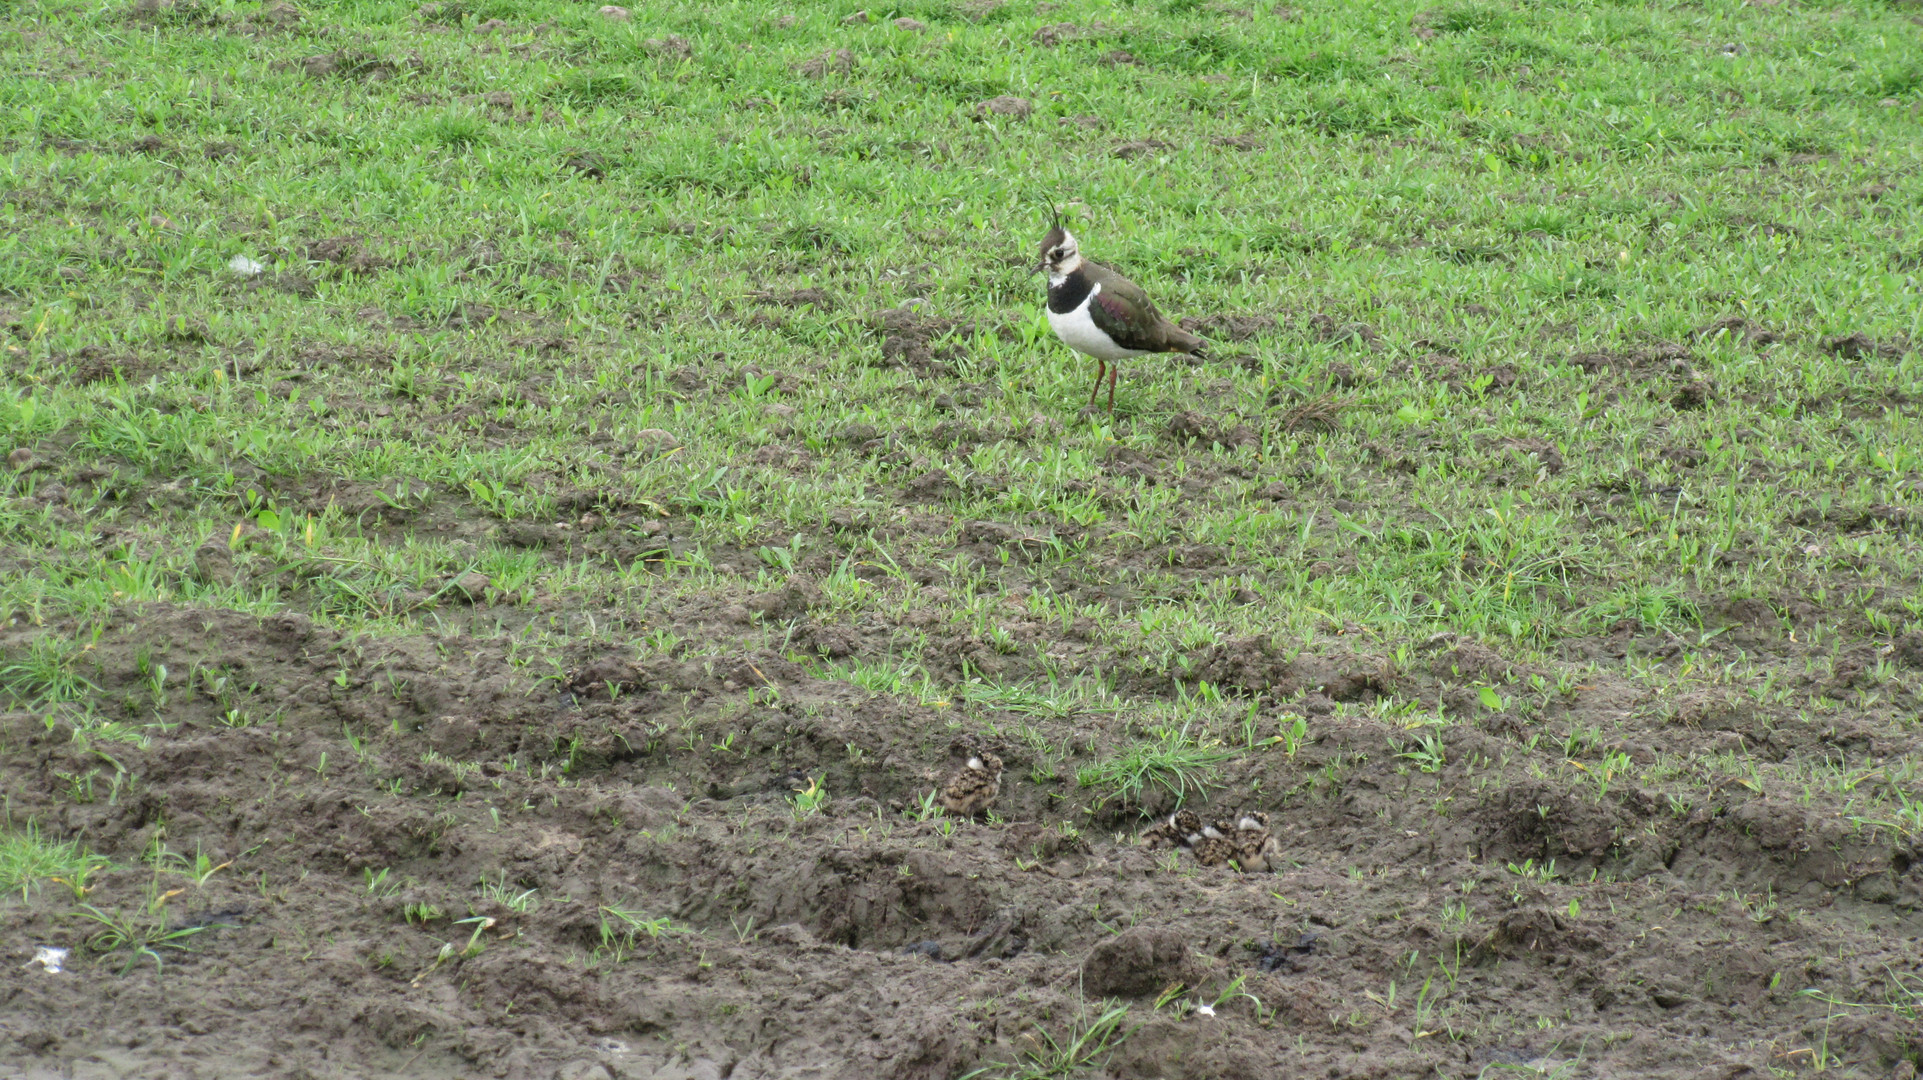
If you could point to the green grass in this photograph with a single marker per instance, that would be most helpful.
(1082, 1050)
(505, 289)
(1171, 759)
(1536, 327)
(28, 859)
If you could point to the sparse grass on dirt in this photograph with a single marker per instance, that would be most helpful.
(530, 497)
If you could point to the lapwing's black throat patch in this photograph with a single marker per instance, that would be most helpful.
(1070, 294)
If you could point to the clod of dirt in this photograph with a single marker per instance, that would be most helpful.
(833, 642)
(490, 26)
(1471, 662)
(1327, 329)
(1119, 58)
(859, 18)
(528, 534)
(613, 11)
(1544, 451)
(1188, 426)
(471, 586)
(1230, 327)
(1738, 327)
(1130, 150)
(1139, 961)
(1006, 105)
(1528, 930)
(186, 330)
(20, 460)
(1054, 34)
(931, 486)
(1693, 395)
(1860, 346)
(791, 601)
(1316, 414)
(349, 64)
(281, 15)
(656, 440)
(907, 339)
(1194, 427)
(913, 26)
(92, 364)
(214, 564)
(346, 254)
(605, 675)
(674, 45)
(929, 949)
(794, 298)
(836, 61)
(1250, 665)
(1909, 649)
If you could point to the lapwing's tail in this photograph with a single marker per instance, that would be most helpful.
(1184, 342)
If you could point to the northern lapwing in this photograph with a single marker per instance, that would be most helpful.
(1099, 313)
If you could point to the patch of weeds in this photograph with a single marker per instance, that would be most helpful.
(140, 934)
(473, 947)
(807, 801)
(45, 675)
(499, 891)
(455, 130)
(27, 857)
(623, 928)
(1459, 18)
(590, 88)
(1086, 1045)
(1172, 759)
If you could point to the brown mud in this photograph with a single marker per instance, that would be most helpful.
(421, 854)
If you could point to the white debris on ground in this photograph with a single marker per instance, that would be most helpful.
(49, 957)
(244, 266)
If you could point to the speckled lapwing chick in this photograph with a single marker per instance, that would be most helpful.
(1244, 840)
(971, 789)
(1216, 844)
(1178, 830)
(1256, 849)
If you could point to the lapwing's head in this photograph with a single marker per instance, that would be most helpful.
(1060, 256)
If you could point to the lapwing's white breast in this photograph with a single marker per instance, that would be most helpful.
(1078, 331)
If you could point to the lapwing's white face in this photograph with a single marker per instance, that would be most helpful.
(1060, 256)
